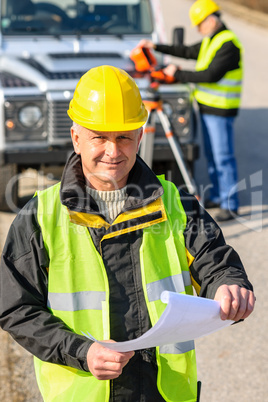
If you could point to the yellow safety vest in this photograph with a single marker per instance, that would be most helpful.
(226, 93)
(78, 290)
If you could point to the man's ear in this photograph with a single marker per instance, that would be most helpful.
(75, 140)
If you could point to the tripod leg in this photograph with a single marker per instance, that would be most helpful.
(147, 143)
(177, 152)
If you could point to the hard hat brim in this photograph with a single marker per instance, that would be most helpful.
(113, 127)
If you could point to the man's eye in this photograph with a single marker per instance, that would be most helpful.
(124, 138)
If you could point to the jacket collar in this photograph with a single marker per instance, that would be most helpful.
(222, 28)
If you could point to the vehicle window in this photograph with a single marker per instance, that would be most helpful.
(63, 17)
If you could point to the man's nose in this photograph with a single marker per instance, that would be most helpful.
(112, 149)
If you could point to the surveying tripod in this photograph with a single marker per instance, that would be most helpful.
(154, 105)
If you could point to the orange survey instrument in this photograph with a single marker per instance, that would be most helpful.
(143, 59)
(161, 77)
(145, 62)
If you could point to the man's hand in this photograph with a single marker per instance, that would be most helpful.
(170, 70)
(236, 303)
(146, 43)
(106, 364)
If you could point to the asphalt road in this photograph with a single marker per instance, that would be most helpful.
(232, 364)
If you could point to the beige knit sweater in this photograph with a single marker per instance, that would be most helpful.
(110, 203)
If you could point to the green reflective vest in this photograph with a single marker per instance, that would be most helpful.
(78, 291)
(226, 93)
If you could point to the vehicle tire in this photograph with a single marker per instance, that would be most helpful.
(9, 187)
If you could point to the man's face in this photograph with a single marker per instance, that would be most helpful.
(107, 157)
(206, 27)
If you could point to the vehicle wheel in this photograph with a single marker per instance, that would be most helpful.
(9, 187)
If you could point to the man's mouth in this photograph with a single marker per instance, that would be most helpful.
(110, 163)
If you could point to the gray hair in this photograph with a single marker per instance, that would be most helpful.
(76, 127)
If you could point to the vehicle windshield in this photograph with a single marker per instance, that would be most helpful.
(65, 17)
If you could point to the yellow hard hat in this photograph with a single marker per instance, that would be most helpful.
(107, 99)
(201, 9)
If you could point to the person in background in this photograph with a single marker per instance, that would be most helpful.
(218, 85)
(94, 252)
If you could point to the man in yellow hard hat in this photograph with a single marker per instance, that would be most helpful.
(94, 252)
(218, 85)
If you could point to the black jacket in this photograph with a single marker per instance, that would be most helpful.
(24, 279)
(226, 59)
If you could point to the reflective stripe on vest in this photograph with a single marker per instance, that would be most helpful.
(79, 294)
(93, 300)
(177, 348)
(76, 301)
(226, 93)
(175, 283)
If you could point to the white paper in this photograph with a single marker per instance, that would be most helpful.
(185, 318)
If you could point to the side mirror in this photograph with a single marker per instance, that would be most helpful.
(178, 36)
